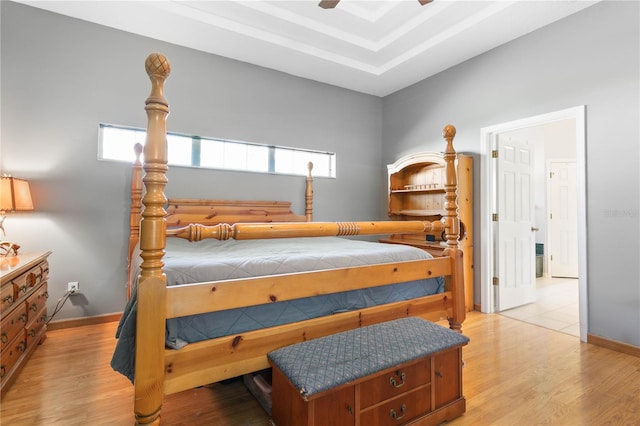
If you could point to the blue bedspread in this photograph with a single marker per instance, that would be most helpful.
(213, 260)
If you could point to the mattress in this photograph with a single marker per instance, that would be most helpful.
(213, 260)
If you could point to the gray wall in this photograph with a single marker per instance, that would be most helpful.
(592, 59)
(61, 77)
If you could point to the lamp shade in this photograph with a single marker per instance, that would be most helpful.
(15, 195)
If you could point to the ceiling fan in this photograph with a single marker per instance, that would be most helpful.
(330, 4)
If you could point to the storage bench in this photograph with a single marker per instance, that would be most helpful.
(406, 371)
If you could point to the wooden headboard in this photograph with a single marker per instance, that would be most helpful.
(183, 211)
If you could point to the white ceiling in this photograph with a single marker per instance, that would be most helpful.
(375, 47)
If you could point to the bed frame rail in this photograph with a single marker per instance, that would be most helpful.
(254, 231)
(192, 299)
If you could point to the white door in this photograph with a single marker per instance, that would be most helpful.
(563, 222)
(515, 259)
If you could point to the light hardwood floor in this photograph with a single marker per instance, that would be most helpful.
(515, 374)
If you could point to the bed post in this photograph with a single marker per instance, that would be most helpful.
(452, 231)
(134, 214)
(308, 208)
(150, 327)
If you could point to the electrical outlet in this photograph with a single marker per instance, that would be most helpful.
(73, 287)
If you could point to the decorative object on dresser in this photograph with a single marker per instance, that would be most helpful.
(159, 302)
(15, 195)
(23, 311)
(416, 191)
(392, 373)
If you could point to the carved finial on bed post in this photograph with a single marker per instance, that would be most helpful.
(151, 290)
(308, 210)
(158, 69)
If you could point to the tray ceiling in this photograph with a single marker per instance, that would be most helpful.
(374, 47)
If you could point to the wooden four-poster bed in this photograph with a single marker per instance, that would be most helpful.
(159, 360)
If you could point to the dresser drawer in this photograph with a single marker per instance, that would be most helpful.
(395, 382)
(12, 324)
(7, 297)
(11, 354)
(38, 274)
(399, 410)
(36, 326)
(37, 301)
(44, 271)
(21, 285)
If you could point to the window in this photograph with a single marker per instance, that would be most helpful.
(116, 143)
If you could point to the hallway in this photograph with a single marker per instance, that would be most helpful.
(556, 306)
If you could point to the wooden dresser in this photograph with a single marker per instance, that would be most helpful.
(23, 311)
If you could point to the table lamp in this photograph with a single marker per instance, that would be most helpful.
(15, 196)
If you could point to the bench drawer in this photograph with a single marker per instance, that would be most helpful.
(400, 380)
(399, 410)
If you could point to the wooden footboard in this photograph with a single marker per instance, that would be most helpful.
(235, 355)
(159, 371)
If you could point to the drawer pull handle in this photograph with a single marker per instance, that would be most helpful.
(393, 381)
(23, 318)
(395, 415)
(2, 370)
(21, 346)
(22, 289)
(45, 294)
(32, 333)
(8, 299)
(350, 409)
(33, 307)
(439, 374)
(5, 337)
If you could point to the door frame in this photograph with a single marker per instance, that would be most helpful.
(487, 197)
